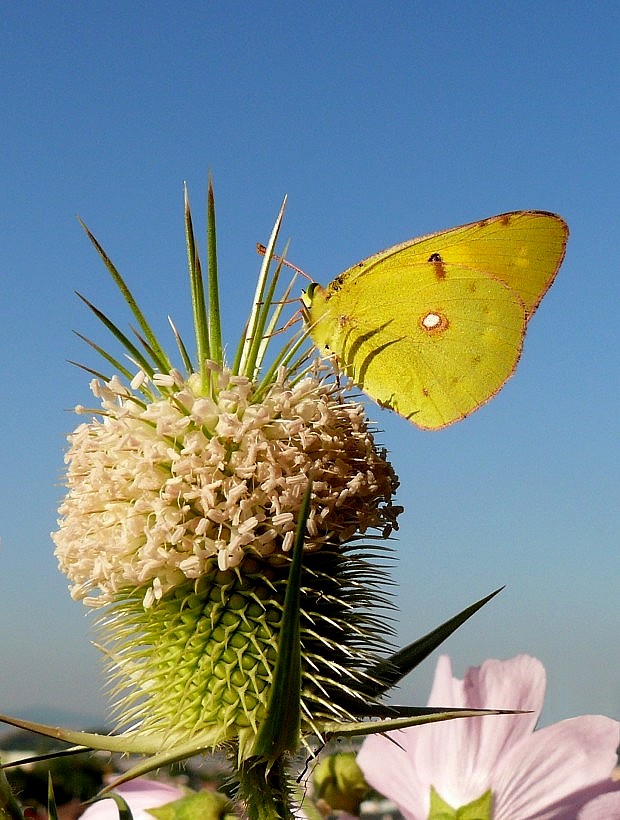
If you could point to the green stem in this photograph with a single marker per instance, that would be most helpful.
(9, 807)
(264, 789)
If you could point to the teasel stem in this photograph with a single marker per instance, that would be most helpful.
(264, 790)
(263, 781)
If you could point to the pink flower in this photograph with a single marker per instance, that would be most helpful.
(549, 774)
(140, 795)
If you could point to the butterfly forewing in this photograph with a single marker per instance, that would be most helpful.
(524, 249)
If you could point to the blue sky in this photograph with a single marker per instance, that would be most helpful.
(380, 122)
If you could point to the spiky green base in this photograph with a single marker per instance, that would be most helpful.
(202, 659)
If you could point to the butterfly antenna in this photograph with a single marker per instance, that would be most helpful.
(295, 318)
(262, 250)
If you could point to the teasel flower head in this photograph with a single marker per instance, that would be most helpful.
(198, 498)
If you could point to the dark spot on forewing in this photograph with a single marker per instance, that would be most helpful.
(437, 263)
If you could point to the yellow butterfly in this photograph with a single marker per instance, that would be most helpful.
(434, 327)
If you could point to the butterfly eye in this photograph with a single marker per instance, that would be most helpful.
(435, 257)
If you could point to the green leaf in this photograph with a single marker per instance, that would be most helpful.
(215, 329)
(107, 356)
(126, 743)
(279, 732)
(245, 358)
(439, 808)
(284, 359)
(9, 807)
(187, 363)
(163, 363)
(204, 805)
(27, 761)
(52, 811)
(201, 323)
(429, 715)
(390, 671)
(124, 812)
(200, 744)
(479, 809)
(132, 350)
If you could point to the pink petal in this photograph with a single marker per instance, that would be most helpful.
(457, 757)
(446, 690)
(555, 771)
(389, 769)
(605, 807)
(517, 683)
(139, 794)
(391, 762)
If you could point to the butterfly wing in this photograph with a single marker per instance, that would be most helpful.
(523, 249)
(434, 327)
(434, 351)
